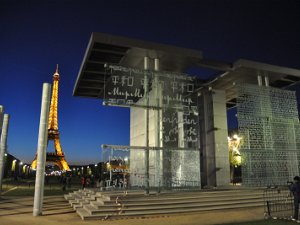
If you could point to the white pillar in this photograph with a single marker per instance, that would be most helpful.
(41, 153)
(1, 118)
(3, 146)
(146, 63)
(156, 64)
(259, 80)
(267, 81)
(158, 125)
(146, 96)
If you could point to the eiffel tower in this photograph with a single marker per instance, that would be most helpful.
(57, 157)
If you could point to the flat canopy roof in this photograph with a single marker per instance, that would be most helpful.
(246, 71)
(108, 49)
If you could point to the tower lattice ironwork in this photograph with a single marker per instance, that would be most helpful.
(57, 157)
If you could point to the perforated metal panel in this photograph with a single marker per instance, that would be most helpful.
(173, 127)
(269, 124)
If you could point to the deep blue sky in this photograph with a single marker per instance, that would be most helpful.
(36, 35)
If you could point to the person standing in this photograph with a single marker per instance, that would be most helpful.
(69, 181)
(64, 183)
(83, 182)
(295, 189)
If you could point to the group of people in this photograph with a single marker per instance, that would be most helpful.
(87, 181)
(65, 181)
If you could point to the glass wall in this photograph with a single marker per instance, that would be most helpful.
(164, 125)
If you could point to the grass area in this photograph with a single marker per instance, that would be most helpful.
(264, 222)
(20, 191)
(29, 191)
(25, 187)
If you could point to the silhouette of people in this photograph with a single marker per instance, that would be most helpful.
(87, 182)
(295, 189)
(68, 181)
(92, 179)
(83, 182)
(64, 183)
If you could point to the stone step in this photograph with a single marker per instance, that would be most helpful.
(68, 196)
(85, 215)
(142, 197)
(94, 210)
(80, 205)
(73, 196)
(82, 197)
(178, 197)
(102, 204)
(160, 201)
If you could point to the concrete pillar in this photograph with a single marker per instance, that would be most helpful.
(146, 63)
(146, 96)
(220, 136)
(156, 64)
(41, 153)
(259, 80)
(267, 81)
(3, 147)
(1, 117)
(215, 156)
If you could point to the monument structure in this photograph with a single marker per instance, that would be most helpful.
(57, 157)
(178, 122)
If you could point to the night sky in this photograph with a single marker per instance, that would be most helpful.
(37, 35)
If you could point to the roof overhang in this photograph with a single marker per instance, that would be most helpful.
(246, 71)
(108, 49)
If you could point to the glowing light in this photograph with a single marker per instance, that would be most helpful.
(13, 166)
(234, 145)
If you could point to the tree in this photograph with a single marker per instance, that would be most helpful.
(234, 145)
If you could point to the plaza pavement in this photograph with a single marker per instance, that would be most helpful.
(57, 211)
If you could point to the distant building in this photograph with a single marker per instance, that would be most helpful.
(14, 167)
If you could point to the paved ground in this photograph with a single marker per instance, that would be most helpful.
(56, 210)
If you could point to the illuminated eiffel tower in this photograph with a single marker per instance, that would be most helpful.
(57, 157)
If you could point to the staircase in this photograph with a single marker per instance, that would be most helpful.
(91, 204)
